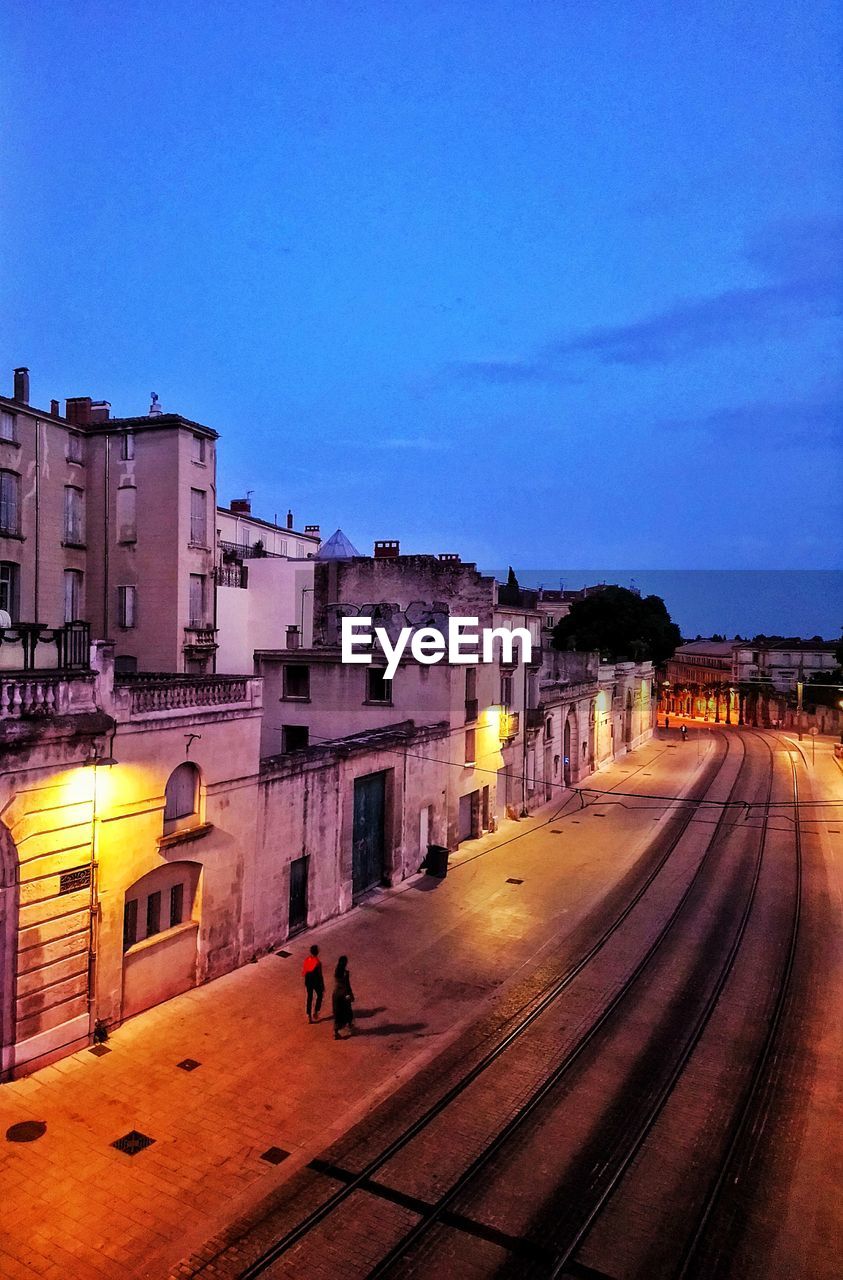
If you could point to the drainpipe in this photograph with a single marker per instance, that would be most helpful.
(107, 532)
(37, 517)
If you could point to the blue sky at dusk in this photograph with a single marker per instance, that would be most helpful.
(542, 283)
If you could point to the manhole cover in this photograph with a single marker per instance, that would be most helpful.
(189, 1064)
(133, 1142)
(274, 1155)
(512, 880)
(285, 955)
(26, 1131)
(99, 1050)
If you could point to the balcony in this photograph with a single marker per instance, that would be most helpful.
(199, 641)
(510, 725)
(40, 697)
(154, 693)
(33, 646)
(231, 575)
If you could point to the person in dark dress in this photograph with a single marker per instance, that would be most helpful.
(314, 983)
(342, 998)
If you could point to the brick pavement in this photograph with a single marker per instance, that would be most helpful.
(426, 958)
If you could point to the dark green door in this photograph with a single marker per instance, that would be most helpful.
(298, 895)
(368, 835)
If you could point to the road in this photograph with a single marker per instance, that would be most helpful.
(572, 1017)
(635, 1113)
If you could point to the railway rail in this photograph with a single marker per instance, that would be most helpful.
(450, 1210)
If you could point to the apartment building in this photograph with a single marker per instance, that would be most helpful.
(109, 522)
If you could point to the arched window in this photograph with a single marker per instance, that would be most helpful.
(181, 797)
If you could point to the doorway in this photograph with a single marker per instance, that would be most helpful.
(367, 842)
(297, 919)
(566, 753)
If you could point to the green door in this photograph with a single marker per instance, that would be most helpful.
(368, 834)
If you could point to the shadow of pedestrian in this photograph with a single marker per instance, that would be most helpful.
(369, 1013)
(392, 1029)
(427, 884)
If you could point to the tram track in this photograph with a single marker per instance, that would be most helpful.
(364, 1178)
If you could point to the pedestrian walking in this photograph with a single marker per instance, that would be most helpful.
(342, 998)
(667, 722)
(314, 983)
(684, 731)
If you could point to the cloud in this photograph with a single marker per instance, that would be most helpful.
(768, 425)
(803, 260)
(423, 443)
(510, 372)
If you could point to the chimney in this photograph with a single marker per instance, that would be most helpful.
(241, 506)
(386, 549)
(54, 409)
(78, 410)
(22, 385)
(449, 557)
(100, 410)
(289, 519)
(313, 530)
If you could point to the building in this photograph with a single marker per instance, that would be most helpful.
(263, 576)
(129, 864)
(109, 522)
(739, 681)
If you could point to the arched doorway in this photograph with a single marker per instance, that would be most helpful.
(566, 752)
(627, 719)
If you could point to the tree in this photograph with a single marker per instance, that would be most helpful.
(620, 625)
(510, 593)
(838, 652)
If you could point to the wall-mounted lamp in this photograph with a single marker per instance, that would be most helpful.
(96, 759)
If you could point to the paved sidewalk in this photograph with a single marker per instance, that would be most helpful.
(424, 957)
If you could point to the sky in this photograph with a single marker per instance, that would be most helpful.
(540, 283)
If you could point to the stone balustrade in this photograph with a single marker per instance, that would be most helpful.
(32, 695)
(185, 692)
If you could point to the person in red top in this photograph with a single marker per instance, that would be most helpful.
(314, 983)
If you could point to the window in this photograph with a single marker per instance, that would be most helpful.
(9, 587)
(471, 706)
(72, 595)
(75, 447)
(506, 691)
(294, 737)
(176, 904)
(74, 516)
(199, 449)
(126, 606)
(161, 900)
(196, 603)
(8, 425)
(127, 446)
(378, 689)
(297, 682)
(548, 728)
(127, 514)
(9, 502)
(130, 924)
(181, 796)
(470, 745)
(198, 517)
(153, 914)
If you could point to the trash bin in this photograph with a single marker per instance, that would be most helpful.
(436, 862)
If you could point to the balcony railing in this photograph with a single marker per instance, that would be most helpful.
(171, 693)
(231, 575)
(510, 725)
(200, 637)
(32, 646)
(37, 697)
